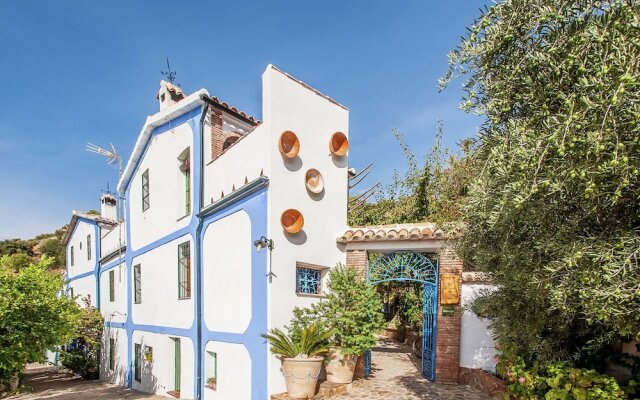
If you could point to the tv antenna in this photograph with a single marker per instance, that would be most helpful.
(112, 155)
(169, 74)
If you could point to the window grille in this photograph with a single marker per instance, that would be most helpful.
(137, 362)
(145, 190)
(137, 284)
(184, 271)
(72, 258)
(308, 280)
(112, 289)
(89, 247)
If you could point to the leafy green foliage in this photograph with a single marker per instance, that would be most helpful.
(54, 247)
(16, 261)
(83, 354)
(33, 318)
(13, 246)
(310, 341)
(557, 381)
(554, 211)
(23, 252)
(428, 192)
(351, 311)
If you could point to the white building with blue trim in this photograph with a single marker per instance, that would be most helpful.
(179, 278)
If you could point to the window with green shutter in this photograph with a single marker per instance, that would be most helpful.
(137, 284)
(137, 362)
(184, 271)
(112, 284)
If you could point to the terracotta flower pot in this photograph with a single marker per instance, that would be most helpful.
(289, 145)
(292, 220)
(314, 181)
(339, 144)
(340, 367)
(301, 376)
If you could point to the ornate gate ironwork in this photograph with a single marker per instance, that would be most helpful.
(413, 267)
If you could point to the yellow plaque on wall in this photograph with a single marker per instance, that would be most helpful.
(450, 289)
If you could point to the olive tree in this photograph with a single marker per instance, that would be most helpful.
(554, 212)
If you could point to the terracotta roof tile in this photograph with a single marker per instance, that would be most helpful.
(419, 231)
(226, 105)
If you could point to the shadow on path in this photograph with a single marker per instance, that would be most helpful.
(51, 382)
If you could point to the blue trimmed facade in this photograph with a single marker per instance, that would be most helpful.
(251, 199)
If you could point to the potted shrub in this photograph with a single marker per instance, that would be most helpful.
(301, 356)
(211, 382)
(352, 311)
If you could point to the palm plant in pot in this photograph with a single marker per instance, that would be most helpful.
(302, 356)
(352, 310)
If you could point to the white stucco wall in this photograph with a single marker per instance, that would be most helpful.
(246, 158)
(166, 187)
(477, 348)
(288, 105)
(112, 239)
(160, 304)
(83, 287)
(118, 375)
(81, 263)
(227, 273)
(116, 310)
(158, 376)
(233, 372)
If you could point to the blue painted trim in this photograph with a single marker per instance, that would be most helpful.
(251, 198)
(255, 205)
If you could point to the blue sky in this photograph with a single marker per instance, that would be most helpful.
(77, 71)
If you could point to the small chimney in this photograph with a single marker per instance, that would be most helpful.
(108, 207)
(168, 94)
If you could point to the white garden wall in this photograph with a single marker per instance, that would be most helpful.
(477, 347)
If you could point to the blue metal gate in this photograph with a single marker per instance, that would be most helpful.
(412, 267)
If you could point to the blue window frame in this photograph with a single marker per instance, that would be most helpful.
(308, 280)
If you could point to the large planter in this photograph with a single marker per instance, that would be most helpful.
(301, 376)
(339, 367)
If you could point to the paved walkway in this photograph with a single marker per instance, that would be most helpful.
(50, 382)
(395, 374)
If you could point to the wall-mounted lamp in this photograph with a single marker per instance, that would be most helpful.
(262, 243)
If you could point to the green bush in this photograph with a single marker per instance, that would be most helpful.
(82, 356)
(557, 381)
(351, 310)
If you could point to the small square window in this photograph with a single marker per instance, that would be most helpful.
(308, 280)
(211, 370)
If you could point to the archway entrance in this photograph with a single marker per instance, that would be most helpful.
(410, 266)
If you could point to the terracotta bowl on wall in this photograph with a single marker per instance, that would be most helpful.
(339, 144)
(314, 181)
(289, 144)
(292, 220)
